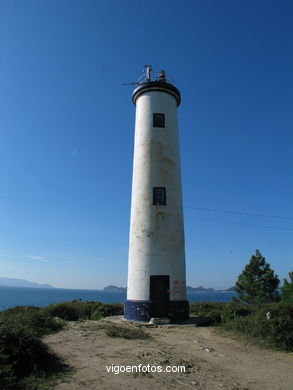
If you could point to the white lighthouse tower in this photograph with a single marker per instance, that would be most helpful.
(156, 284)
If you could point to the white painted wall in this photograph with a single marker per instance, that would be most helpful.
(156, 244)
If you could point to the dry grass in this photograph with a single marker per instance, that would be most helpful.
(113, 330)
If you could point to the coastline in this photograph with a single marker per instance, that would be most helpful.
(41, 297)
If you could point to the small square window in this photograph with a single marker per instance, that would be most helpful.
(159, 196)
(159, 120)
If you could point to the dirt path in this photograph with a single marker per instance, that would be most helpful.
(212, 361)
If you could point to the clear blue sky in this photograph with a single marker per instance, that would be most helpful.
(67, 124)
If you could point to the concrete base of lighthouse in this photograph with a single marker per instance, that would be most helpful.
(178, 311)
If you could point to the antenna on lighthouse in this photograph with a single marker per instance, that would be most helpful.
(145, 78)
(150, 76)
(148, 72)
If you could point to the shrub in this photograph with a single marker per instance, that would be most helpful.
(20, 310)
(32, 318)
(280, 326)
(287, 289)
(67, 311)
(218, 312)
(74, 310)
(8, 379)
(211, 312)
(277, 330)
(106, 310)
(233, 310)
(21, 347)
(22, 353)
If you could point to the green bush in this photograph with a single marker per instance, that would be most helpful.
(20, 310)
(218, 312)
(8, 379)
(251, 321)
(31, 317)
(76, 310)
(68, 311)
(206, 307)
(211, 312)
(277, 330)
(287, 289)
(233, 310)
(21, 347)
(72, 311)
(106, 310)
(22, 353)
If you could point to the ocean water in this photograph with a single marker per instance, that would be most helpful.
(26, 296)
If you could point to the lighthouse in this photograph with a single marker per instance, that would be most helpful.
(156, 286)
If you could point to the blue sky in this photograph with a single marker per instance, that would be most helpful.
(67, 124)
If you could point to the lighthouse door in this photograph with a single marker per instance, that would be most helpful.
(159, 295)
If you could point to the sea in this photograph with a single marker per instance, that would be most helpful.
(33, 296)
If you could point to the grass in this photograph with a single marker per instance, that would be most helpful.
(113, 330)
(251, 322)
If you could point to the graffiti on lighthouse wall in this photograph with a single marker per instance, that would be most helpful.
(178, 290)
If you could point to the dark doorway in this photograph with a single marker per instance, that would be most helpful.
(159, 295)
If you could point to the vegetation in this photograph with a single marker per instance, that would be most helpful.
(22, 353)
(26, 363)
(106, 310)
(209, 312)
(113, 330)
(83, 310)
(287, 289)
(269, 324)
(31, 317)
(257, 284)
(214, 313)
(259, 312)
(72, 311)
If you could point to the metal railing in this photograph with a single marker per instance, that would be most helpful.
(150, 76)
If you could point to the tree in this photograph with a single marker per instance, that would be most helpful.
(287, 289)
(257, 283)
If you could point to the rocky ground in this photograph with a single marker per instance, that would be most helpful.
(211, 360)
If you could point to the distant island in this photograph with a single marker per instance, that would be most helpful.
(114, 289)
(11, 282)
(200, 288)
(233, 288)
(188, 289)
(210, 289)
